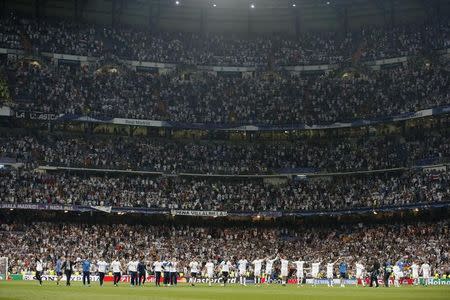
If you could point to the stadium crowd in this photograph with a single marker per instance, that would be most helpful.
(195, 97)
(265, 98)
(9, 33)
(68, 37)
(419, 242)
(220, 157)
(161, 192)
(366, 44)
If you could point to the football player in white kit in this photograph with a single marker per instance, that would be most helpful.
(225, 269)
(299, 265)
(360, 273)
(257, 266)
(157, 269)
(101, 269)
(117, 269)
(426, 272)
(397, 275)
(209, 271)
(269, 267)
(315, 268)
(194, 271)
(242, 267)
(39, 270)
(415, 273)
(330, 271)
(284, 270)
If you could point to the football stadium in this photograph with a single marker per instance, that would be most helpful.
(224, 149)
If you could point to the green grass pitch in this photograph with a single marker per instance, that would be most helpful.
(26, 290)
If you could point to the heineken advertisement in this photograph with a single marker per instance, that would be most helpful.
(231, 280)
(436, 281)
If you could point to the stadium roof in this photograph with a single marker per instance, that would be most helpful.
(239, 16)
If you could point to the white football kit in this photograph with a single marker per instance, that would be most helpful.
(415, 271)
(157, 266)
(194, 267)
(284, 267)
(396, 271)
(39, 266)
(101, 266)
(257, 263)
(330, 269)
(359, 271)
(115, 265)
(315, 269)
(426, 271)
(209, 269)
(269, 266)
(225, 266)
(242, 267)
(299, 266)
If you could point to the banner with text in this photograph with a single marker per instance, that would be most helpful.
(229, 127)
(198, 213)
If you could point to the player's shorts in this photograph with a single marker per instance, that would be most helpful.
(343, 275)
(225, 274)
(269, 272)
(299, 275)
(329, 276)
(315, 275)
(242, 272)
(59, 273)
(284, 273)
(257, 273)
(210, 275)
(193, 274)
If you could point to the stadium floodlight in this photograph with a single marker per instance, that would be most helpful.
(177, 2)
(328, 2)
(214, 5)
(293, 5)
(252, 5)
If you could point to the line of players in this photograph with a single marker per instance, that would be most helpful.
(168, 271)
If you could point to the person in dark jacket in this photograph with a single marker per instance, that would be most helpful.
(142, 269)
(387, 273)
(67, 266)
(374, 273)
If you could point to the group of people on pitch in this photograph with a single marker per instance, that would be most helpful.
(167, 271)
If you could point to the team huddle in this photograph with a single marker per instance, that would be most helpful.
(268, 270)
